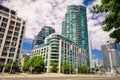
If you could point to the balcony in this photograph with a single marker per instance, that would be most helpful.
(13, 17)
(11, 28)
(4, 13)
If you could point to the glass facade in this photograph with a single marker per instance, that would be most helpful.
(74, 27)
(45, 31)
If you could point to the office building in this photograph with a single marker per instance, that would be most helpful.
(45, 31)
(74, 27)
(111, 57)
(12, 30)
(58, 49)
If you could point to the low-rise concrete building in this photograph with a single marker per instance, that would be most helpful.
(59, 49)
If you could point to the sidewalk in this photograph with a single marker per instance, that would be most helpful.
(49, 75)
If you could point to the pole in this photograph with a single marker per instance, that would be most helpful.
(110, 58)
(11, 67)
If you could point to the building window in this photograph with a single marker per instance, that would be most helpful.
(16, 33)
(21, 36)
(18, 19)
(22, 32)
(15, 38)
(19, 46)
(23, 28)
(11, 55)
(2, 30)
(17, 29)
(3, 24)
(0, 41)
(18, 24)
(5, 19)
(1, 35)
(4, 54)
(24, 22)
(12, 49)
(12, 23)
(18, 51)
(13, 12)
(13, 44)
(13, 17)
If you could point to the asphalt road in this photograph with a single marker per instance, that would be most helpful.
(60, 78)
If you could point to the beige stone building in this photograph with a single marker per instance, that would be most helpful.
(12, 30)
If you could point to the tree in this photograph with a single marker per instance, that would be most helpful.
(37, 64)
(66, 67)
(26, 64)
(54, 67)
(9, 65)
(15, 67)
(112, 20)
(83, 69)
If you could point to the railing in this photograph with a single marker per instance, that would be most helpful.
(3, 13)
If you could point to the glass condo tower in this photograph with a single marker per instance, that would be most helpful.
(74, 27)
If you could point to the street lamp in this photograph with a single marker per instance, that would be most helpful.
(110, 58)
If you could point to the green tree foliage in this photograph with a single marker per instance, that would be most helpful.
(15, 66)
(26, 64)
(66, 67)
(83, 69)
(9, 65)
(37, 64)
(112, 20)
(54, 67)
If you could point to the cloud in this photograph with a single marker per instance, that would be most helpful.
(41, 12)
(51, 13)
(96, 34)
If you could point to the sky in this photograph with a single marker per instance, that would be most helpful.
(38, 13)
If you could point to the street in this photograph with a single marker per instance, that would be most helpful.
(55, 77)
(58, 78)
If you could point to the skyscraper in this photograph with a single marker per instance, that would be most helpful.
(111, 57)
(12, 30)
(74, 27)
(44, 32)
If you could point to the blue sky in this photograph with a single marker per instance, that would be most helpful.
(96, 53)
(51, 13)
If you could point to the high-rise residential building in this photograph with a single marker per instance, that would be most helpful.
(58, 49)
(12, 30)
(74, 27)
(44, 32)
(111, 57)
